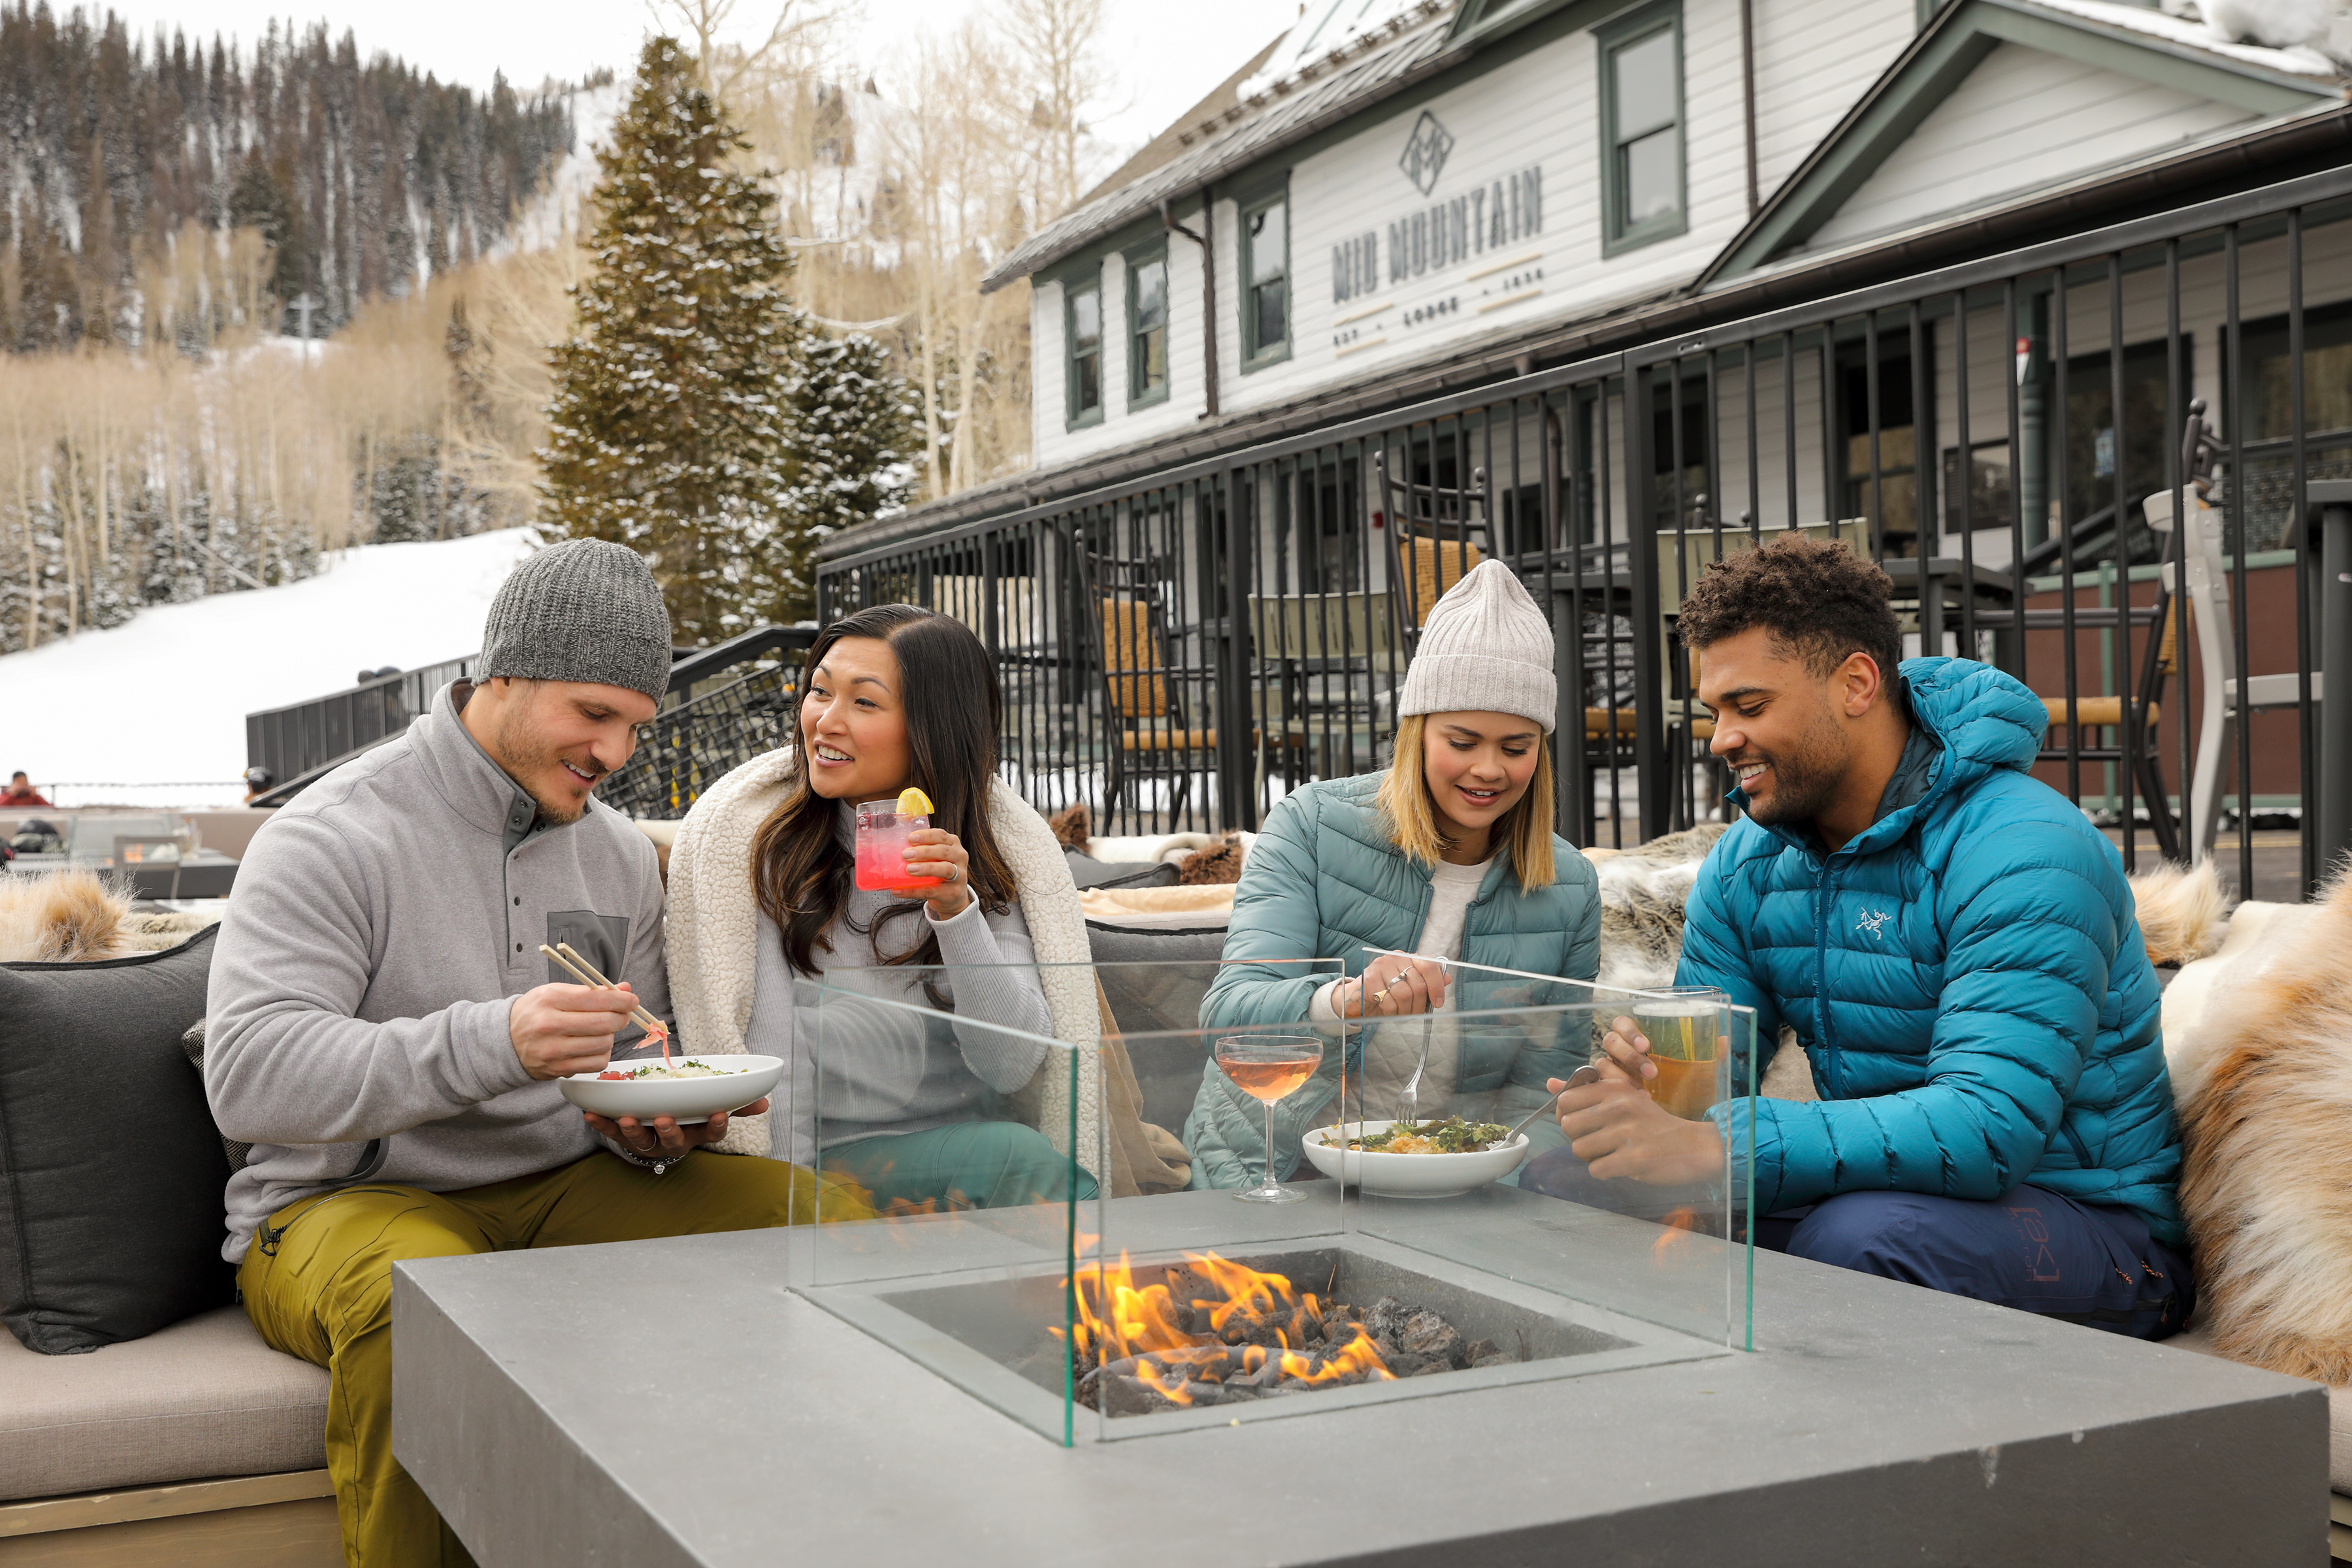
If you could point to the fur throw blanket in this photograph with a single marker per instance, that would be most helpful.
(713, 927)
(2257, 1039)
(76, 917)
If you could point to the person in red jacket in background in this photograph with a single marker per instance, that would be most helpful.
(20, 792)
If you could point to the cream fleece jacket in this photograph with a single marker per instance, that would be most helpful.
(713, 929)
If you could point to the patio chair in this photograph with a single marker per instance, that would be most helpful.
(1433, 550)
(2195, 566)
(1143, 700)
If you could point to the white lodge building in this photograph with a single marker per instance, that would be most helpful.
(1415, 263)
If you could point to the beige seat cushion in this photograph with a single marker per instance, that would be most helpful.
(2198, 1338)
(204, 1397)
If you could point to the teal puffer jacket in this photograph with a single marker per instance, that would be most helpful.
(1967, 976)
(1324, 880)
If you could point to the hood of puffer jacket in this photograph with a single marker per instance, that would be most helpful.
(1984, 721)
(1967, 976)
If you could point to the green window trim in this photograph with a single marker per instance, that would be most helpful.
(1141, 350)
(1647, 43)
(1265, 290)
(1083, 366)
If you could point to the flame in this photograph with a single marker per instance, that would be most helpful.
(1139, 1327)
(1679, 1223)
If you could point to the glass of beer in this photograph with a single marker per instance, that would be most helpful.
(1683, 1024)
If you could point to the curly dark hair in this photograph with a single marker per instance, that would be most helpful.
(1815, 595)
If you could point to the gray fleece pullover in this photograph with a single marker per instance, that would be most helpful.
(381, 926)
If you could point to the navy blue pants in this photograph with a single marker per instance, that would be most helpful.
(2029, 1248)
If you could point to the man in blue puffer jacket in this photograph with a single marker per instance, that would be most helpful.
(1953, 943)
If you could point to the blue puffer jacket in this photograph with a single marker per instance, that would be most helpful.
(1967, 976)
(1324, 880)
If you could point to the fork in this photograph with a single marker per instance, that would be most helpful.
(1409, 1097)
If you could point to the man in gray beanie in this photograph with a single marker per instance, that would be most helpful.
(385, 1033)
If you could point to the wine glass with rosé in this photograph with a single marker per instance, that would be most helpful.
(1268, 1068)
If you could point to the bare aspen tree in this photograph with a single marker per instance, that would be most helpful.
(1058, 46)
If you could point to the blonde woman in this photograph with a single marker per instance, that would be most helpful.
(1448, 854)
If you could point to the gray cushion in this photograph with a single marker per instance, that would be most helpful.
(204, 1397)
(1153, 980)
(111, 1170)
(1087, 871)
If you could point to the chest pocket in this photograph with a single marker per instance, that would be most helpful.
(604, 941)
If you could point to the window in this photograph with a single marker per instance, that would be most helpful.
(1146, 327)
(1983, 501)
(1265, 282)
(1084, 329)
(2326, 376)
(1895, 508)
(1642, 131)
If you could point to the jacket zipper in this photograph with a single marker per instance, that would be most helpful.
(1824, 887)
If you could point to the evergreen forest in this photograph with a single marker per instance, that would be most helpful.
(128, 158)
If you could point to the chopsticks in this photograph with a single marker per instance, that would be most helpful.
(585, 973)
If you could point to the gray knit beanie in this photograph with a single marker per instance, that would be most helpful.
(1485, 649)
(582, 610)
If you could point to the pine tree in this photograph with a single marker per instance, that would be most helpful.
(853, 428)
(670, 426)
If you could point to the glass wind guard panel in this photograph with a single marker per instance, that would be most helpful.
(950, 1148)
(1078, 1252)
(1652, 1234)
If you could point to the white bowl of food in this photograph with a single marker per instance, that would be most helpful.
(687, 1089)
(1407, 1162)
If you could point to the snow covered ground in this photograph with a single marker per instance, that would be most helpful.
(153, 712)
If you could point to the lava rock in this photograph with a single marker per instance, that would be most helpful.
(1386, 1317)
(1480, 1350)
(1425, 1368)
(1126, 1397)
(1497, 1359)
(1427, 1334)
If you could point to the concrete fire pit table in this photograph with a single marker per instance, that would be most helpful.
(676, 1402)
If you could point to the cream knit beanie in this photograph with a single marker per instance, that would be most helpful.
(1485, 649)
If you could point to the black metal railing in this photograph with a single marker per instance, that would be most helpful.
(1177, 651)
(726, 705)
(712, 718)
(286, 748)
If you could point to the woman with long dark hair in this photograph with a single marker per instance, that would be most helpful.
(916, 1109)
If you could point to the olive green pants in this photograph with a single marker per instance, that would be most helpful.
(964, 1166)
(317, 1283)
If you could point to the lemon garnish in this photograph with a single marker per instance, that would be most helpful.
(913, 801)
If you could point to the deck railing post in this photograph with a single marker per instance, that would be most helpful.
(2332, 501)
(1655, 785)
(1237, 741)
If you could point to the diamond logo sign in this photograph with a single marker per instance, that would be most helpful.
(1424, 155)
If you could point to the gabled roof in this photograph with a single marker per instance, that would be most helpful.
(1324, 92)
(1184, 131)
(2124, 38)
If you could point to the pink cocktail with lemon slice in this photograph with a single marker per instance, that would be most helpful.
(883, 826)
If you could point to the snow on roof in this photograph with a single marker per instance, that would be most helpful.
(2300, 60)
(1367, 64)
(1325, 27)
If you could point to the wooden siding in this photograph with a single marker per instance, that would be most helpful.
(2021, 118)
(1813, 62)
(1534, 110)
